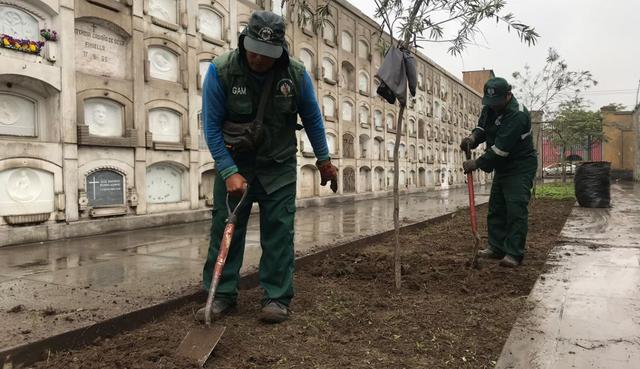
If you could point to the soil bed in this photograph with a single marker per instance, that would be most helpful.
(346, 313)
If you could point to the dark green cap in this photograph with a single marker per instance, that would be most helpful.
(264, 34)
(495, 89)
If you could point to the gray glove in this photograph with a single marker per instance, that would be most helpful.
(469, 166)
(469, 142)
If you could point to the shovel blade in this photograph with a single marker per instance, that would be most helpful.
(199, 343)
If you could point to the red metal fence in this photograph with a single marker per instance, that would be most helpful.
(551, 153)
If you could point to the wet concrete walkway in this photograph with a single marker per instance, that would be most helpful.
(585, 312)
(51, 288)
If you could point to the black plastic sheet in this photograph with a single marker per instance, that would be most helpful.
(593, 184)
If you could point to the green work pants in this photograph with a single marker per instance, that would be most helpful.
(277, 215)
(508, 215)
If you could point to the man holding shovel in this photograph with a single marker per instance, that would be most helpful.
(251, 99)
(505, 125)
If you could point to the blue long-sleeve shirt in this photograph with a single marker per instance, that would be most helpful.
(214, 112)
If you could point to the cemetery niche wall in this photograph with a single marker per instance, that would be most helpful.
(111, 124)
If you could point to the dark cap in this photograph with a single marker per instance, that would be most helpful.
(495, 89)
(264, 34)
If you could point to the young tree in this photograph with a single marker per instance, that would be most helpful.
(554, 84)
(544, 91)
(308, 13)
(434, 21)
(573, 125)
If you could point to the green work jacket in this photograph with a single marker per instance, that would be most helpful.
(509, 139)
(274, 164)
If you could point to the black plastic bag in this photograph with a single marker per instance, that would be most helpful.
(593, 185)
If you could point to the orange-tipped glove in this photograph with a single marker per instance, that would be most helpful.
(328, 173)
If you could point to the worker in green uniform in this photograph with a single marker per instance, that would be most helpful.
(505, 126)
(252, 97)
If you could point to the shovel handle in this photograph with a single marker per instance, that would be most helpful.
(225, 244)
(474, 220)
(467, 152)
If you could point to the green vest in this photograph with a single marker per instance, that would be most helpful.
(274, 164)
(509, 138)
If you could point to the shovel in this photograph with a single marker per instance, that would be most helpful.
(472, 214)
(199, 343)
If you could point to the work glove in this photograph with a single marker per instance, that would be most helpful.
(328, 172)
(470, 142)
(469, 166)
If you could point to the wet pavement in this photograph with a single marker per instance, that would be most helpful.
(585, 312)
(54, 287)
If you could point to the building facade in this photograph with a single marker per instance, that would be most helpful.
(621, 142)
(100, 109)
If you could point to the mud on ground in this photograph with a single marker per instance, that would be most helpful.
(347, 314)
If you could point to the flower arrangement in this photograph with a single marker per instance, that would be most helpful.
(27, 46)
(49, 35)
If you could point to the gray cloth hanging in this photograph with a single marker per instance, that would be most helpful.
(398, 69)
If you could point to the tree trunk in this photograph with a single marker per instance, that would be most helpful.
(537, 178)
(563, 162)
(396, 175)
(396, 200)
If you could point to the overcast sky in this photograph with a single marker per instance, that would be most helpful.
(596, 35)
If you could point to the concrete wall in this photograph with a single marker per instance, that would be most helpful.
(636, 124)
(111, 54)
(621, 140)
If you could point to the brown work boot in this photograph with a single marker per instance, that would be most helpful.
(274, 312)
(218, 309)
(490, 254)
(509, 261)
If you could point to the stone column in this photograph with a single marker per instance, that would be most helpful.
(139, 113)
(65, 23)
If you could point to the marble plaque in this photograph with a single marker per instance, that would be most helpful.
(389, 121)
(377, 149)
(363, 82)
(18, 24)
(377, 118)
(347, 42)
(306, 144)
(204, 68)
(329, 106)
(166, 10)
(307, 182)
(105, 188)
(331, 144)
(210, 23)
(26, 191)
(165, 125)
(208, 182)
(363, 50)
(364, 115)
(104, 117)
(17, 116)
(307, 60)
(100, 51)
(347, 111)
(327, 67)
(164, 64)
(328, 32)
(164, 184)
(277, 7)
